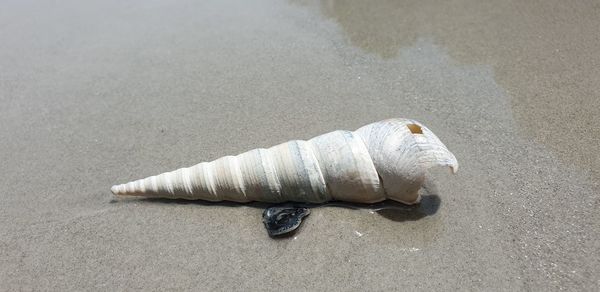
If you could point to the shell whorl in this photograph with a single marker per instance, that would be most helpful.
(383, 160)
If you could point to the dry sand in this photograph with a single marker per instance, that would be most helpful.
(104, 92)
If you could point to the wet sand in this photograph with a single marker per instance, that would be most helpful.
(101, 93)
(544, 53)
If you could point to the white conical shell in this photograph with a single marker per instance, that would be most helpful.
(383, 160)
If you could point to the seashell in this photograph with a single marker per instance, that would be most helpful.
(280, 220)
(383, 160)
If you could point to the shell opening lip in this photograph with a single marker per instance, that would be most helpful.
(453, 168)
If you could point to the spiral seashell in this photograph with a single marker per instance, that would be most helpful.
(383, 160)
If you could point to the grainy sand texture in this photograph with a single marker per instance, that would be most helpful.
(94, 93)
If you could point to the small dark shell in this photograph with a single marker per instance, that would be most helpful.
(282, 220)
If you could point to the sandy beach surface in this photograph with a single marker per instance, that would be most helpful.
(94, 93)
